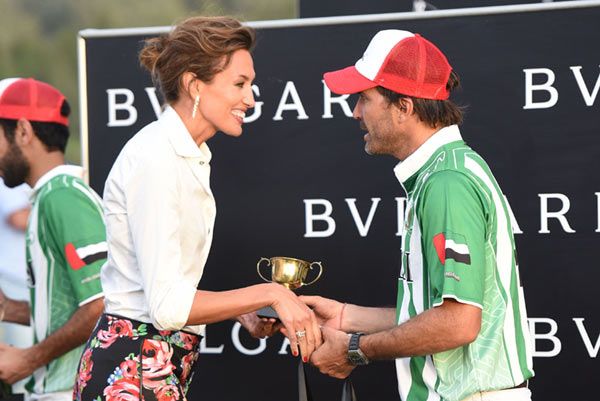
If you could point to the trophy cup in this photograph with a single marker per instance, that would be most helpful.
(289, 272)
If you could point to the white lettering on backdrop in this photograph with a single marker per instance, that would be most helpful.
(544, 333)
(122, 111)
(319, 215)
(545, 78)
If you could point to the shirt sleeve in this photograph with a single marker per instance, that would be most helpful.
(154, 213)
(12, 199)
(453, 228)
(76, 229)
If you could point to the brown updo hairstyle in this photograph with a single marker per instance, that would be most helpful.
(200, 45)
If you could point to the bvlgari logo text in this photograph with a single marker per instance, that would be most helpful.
(123, 112)
(541, 92)
(320, 215)
(544, 333)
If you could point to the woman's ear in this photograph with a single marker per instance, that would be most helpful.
(190, 84)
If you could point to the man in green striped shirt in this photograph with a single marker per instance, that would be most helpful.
(65, 242)
(459, 331)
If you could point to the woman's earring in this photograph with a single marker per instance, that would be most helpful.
(195, 109)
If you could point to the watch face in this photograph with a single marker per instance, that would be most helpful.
(355, 355)
(356, 358)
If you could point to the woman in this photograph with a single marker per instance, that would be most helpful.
(160, 213)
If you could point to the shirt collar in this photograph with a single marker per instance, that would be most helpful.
(180, 137)
(67, 169)
(413, 163)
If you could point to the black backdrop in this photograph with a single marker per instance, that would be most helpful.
(324, 8)
(263, 182)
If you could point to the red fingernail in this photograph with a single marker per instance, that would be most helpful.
(295, 353)
(305, 359)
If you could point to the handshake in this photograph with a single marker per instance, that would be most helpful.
(315, 326)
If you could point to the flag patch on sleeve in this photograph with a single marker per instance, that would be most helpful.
(85, 255)
(456, 249)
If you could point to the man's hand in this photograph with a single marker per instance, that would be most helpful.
(14, 363)
(3, 300)
(328, 311)
(18, 219)
(331, 358)
(13, 311)
(259, 327)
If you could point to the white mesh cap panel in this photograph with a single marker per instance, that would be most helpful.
(5, 83)
(381, 45)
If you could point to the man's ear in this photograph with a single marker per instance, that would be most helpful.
(404, 108)
(24, 134)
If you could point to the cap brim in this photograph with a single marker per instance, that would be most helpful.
(347, 81)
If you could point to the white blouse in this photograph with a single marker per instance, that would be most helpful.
(160, 214)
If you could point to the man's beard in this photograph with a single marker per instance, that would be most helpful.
(13, 167)
(363, 127)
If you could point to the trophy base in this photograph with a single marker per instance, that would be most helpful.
(267, 312)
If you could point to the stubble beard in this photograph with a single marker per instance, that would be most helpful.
(379, 143)
(367, 132)
(375, 146)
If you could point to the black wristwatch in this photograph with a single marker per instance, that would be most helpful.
(355, 355)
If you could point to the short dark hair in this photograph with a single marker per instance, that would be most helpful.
(53, 135)
(435, 113)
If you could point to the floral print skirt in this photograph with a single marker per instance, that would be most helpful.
(127, 360)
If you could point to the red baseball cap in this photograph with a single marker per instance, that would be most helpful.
(32, 100)
(401, 61)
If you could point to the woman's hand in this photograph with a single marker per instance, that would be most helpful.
(299, 322)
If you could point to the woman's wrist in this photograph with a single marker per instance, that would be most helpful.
(271, 291)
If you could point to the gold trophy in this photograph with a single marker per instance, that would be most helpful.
(289, 272)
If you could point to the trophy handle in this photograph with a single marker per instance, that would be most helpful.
(320, 272)
(258, 269)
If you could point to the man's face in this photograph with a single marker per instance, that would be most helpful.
(375, 116)
(13, 166)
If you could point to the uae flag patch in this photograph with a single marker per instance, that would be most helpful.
(85, 255)
(451, 246)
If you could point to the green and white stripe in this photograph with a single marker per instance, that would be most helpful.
(516, 316)
(501, 356)
(65, 211)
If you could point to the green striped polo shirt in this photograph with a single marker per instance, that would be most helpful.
(458, 243)
(66, 246)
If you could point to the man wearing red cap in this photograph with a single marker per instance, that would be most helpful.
(459, 330)
(65, 242)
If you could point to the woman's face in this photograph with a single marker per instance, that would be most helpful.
(225, 100)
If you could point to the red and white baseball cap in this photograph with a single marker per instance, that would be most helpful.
(401, 61)
(32, 100)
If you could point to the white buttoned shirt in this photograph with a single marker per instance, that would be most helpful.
(160, 214)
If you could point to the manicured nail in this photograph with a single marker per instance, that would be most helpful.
(305, 359)
(295, 353)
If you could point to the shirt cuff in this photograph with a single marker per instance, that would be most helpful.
(172, 310)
